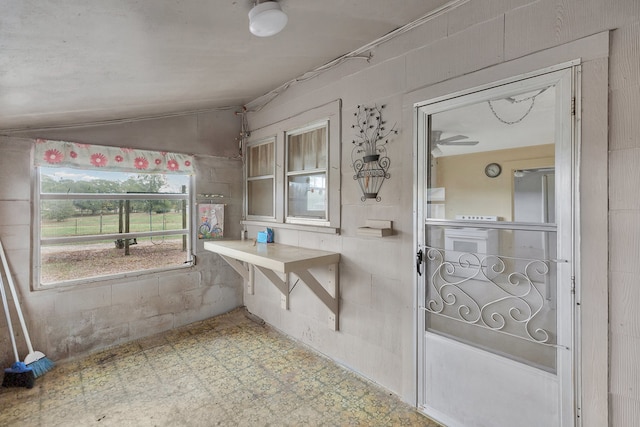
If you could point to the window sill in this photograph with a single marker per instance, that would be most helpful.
(299, 227)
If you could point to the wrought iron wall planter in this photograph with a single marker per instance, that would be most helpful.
(371, 171)
(369, 155)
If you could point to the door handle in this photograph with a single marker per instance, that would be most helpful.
(419, 262)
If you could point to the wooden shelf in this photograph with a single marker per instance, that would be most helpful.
(374, 232)
(272, 258)
(376, 228)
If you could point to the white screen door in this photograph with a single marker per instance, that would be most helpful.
(495, 254)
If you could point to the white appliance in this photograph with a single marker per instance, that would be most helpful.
(469, 245)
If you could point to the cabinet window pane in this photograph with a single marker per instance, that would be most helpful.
(260, 197)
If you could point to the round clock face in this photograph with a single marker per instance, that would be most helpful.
(493, 170)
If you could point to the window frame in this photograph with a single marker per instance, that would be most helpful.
(257, 143)
(292, 219)
(37, 238)
(329, 113)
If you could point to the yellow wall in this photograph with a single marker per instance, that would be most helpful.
(468, 191)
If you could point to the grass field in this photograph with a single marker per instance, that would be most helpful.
(98, 258)
(108, 224)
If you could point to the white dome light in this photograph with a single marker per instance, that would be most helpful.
(267, 19)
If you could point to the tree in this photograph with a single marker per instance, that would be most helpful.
(146, 184)
(96, 186)
(50, 185)
(57, 210)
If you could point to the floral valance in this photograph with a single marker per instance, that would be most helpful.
(86, 156)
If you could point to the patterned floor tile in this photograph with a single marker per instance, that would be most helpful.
(224, 371)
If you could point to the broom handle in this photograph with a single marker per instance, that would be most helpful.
(14, 295)
(6, 313)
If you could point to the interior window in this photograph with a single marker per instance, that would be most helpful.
(292, 171)
(307, 172)
(261, 179)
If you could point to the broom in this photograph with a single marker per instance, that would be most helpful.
(19, 374)
(35, 359)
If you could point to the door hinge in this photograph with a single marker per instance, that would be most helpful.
(573, 106)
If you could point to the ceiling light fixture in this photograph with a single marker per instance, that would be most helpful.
(266, 18)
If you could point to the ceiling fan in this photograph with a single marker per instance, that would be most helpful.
(452, 140)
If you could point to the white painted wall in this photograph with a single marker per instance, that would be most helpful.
(480, 42)
(68, 322)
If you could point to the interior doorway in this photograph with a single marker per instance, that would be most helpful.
(495, 254)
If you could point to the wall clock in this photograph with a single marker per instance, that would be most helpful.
(492, 170)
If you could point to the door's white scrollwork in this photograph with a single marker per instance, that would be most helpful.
(504, 294)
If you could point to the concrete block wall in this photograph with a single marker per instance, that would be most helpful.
(476, 42)
(69, 322)
(624, 217)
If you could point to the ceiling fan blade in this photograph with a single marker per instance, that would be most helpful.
(457, 142)
(450, 138)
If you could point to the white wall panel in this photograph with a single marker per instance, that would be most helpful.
(625, 411)
(624, 178)
(625, 237)
(624, 316)
(13, 212)
(625, 110)
(473, 12)
(625, 369)
(433, 30)
(625, 51)
(15, 237)
(530, 28)
(14, 169)
(82, 299)
(477, 47)
(147, 326)
(135, 296)
(355, 286)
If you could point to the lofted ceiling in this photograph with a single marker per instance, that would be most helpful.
(68, 62)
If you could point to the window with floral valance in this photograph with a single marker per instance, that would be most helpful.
(106, 212)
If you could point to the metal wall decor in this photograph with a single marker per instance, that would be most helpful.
(369, 155)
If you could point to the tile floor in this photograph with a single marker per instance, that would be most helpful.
(224, 371)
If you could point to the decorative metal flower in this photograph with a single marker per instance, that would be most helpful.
(369, 155)
(371, 132)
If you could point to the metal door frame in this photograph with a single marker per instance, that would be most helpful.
(567, 75)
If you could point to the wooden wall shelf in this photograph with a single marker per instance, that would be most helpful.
(272, 258)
